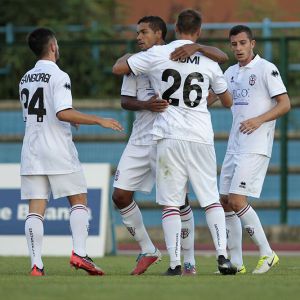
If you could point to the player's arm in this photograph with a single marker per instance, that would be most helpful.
(154, 104)
(121, 66)
(189, 49)
(282, 106)
(225, 98)
(76, 117)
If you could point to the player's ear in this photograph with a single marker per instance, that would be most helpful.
(253, 43)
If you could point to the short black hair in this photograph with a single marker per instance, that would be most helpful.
(155, 23)
(189, 21)
(235, 30)
(38, 40)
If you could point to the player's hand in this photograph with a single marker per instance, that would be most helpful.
(250, 125)
(111, 123)
(156, 104)
(184, 51)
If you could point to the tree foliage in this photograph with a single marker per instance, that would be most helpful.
(81, 57)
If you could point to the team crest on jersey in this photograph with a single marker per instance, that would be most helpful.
(184, 233)
(232, 79)
(67, 86)
(131, 230)
(250, 230)
(252, 79)
(117, 175)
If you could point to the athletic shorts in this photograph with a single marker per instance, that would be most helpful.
(61, 185)
(181, 161)
(136, 169)
(243, 174)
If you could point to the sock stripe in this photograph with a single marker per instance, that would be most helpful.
(76, 207)
(31, 215)
(214, 205)
(243, 211)
(170, 212)
(126, 210)
(184, 213)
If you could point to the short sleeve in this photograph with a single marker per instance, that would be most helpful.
(62, 95)
(218, 84)
(140, 63)
(129, 86)
(273, 81)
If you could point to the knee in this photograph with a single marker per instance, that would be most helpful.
(224, 199)
(121, 198)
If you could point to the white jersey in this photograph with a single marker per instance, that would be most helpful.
(253, 88)
(185, 84)
(140, 87)
(47, 145)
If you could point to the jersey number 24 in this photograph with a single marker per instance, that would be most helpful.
(37, 98)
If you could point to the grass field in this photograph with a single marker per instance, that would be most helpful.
(61, 282)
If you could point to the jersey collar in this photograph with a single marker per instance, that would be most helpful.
(252, 62)
(47, 62)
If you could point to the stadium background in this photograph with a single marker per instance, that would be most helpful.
(94, 34)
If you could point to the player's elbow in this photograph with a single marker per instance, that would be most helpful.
(223, 59)
(63, 116)
(117, 69)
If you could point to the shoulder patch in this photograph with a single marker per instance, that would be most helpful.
(67, 86)
(275, 73)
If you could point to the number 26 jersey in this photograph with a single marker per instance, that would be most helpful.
(47, 145)
(185, 84)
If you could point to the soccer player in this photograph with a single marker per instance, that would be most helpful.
(184, 135)
(136, 169)
(49, 160)
(259, 98)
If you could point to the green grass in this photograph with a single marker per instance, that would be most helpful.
(61, 282)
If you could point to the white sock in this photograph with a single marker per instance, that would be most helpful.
(34, 231)
(171, 224)
(215, 218)
(187, 235)
(253, 226)
(133, 220)
(234, 238)
(79, 223)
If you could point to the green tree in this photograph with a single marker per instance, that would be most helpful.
(82, 57)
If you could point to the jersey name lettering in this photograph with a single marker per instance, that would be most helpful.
(36, 77)
(195, 60)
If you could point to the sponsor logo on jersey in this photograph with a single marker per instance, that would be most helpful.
(252, 79)
(275, 73)
(242, 185)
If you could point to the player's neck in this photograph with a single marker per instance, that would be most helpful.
(190, 37)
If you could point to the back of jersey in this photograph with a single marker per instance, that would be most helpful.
(47, 146)
(185, 84)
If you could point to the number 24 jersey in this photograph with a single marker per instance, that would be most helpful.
(47, 145)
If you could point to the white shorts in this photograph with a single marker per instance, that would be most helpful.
(61, 185)
(243, 174)
(136, 169)
(181, 161)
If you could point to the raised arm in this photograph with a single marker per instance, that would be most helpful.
(121, 66)
(189, 49)
(76, 117)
